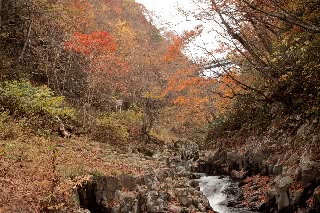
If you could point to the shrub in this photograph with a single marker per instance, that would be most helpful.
(26, 99)
(111, 129)
(245, 115)
(4, 116)
(119, 126)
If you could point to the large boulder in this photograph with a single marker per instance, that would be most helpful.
(277, 169)
(309, 171)
(282, 185)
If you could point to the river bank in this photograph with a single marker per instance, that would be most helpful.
(270, 182)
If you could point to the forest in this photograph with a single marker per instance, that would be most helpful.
(89, 87)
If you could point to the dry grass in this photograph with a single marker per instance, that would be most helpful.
(38, 173)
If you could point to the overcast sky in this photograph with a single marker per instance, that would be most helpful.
(170, 17)
(168, 13)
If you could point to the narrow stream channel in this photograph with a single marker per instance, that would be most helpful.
(220, 192)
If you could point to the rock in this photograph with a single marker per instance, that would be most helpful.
(151, 181)
(316, 199)
(128, 202)
(271, 194)
(201, 207)
(238, 175)
(261, 206)
(174, 209)
(188, 150)
(277, 170)
(282, 186)
(192, 208)
(195, 176)
(184, 210)
(294, 158)
(82, 211)
(297, 174)
(106, 188)
(284, 170)
(309, 172)
(156, 156)
(184, 173)
(303, 130)
(85, 193)
(291, 172)
(128, 181)
(295, 197)
(253, 198)
(234, 160)
(171, 194)
(160, 174)
(155, 201)
(185, 200)
(283, 182)
(184, 196)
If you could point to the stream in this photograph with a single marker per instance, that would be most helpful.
(220, 191)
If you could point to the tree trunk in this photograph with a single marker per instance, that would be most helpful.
(26, 41)
(0, 13)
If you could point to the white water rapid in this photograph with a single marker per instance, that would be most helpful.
(215, 188)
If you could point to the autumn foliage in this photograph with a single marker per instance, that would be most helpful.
(179, 42)
(90, 43)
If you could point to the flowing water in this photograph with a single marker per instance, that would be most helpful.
(220, 191)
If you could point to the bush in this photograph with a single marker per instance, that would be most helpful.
(119, 126)
(22, 98)
(245, 115)
(4, 116)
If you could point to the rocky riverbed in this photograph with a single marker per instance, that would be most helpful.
(171, 187)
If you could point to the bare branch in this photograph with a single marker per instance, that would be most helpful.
(26, 41)
(306, 26)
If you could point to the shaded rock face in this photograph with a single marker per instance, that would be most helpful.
(92, 196)
(100, 193)
(105, 189)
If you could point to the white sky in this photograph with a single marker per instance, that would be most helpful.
(170, 18)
